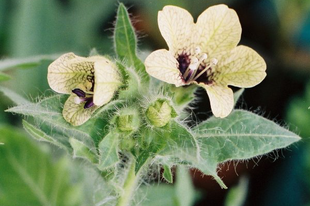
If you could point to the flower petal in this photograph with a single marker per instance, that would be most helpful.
(244, 67)
(176, 26)
(68, 71)
(162, 65)
(107, 81)
(217, 30)
(221, 99)
(75, 113)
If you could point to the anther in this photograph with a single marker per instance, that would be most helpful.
(197, 50)
(79, 92)
(203, 57)
(214, 61)
(194, 64)
(89, 103)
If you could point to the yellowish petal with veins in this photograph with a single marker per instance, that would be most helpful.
(221, 99)
(75, 113)
(218, 30)
(68, 71)
(243, 67)
(176, 26)
(162, 65)
(107, 81)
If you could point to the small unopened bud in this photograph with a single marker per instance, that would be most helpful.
(128, 120)
(160, 113)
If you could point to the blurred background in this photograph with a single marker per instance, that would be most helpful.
(279, 30)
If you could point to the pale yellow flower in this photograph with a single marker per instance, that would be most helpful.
(205, 53)
(91, 83)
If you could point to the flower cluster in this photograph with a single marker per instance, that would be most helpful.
(204, 53)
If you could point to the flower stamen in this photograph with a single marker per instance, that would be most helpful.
(195, 62)
(211, 64)
(82, 96)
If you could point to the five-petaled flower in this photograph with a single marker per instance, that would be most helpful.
(205, 53)
(91, 83)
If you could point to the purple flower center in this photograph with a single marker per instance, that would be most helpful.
(195, 68)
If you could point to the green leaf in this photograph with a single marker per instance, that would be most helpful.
(181, 146)
(25, 62)
(185, 193)
(40, 135)
(80, 150)
(30, 174)
(237, 195)
(125, 41)
(4, 77)
(49, 116)
(16, 98)
(242, 135)
(167, 174)
(108, 150)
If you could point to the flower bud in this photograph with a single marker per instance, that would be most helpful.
(160, 113)
(128, 120)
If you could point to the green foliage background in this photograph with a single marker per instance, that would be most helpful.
(50, 27)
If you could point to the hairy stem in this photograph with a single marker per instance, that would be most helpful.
(129, 186)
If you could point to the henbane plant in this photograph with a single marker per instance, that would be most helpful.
(112, 114)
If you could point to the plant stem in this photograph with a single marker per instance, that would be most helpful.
(129, 186)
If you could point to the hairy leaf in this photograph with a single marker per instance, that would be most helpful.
(82, 151)
(108, 150)
(125, 41)
(48, 114)
(40, 135)
(242, 135)
(181, 146)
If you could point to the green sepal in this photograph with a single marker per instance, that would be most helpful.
(182, 96)
(160, 113)
(174, 144)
